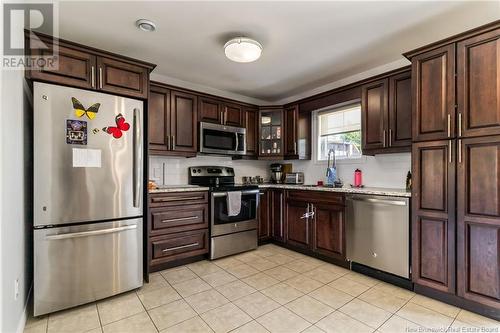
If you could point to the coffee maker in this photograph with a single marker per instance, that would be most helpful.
(276, 173)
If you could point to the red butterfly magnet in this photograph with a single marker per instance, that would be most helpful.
(121, 125)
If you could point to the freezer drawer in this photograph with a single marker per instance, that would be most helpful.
(378, 233)
(80, 264)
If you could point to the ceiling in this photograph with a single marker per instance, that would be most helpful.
(306, 44)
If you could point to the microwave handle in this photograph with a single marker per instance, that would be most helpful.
(237, 142)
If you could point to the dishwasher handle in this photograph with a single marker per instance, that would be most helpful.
(391, 202)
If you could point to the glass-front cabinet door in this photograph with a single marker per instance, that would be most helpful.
(271, 134)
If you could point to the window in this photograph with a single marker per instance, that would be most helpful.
(339, 129)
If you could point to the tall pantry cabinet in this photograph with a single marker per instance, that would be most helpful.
(456, 168)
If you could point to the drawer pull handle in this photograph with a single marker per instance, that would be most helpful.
(180, 219)
(180, 247)
(176, 199)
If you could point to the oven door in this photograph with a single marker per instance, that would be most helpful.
(222, 224)
(220, 139)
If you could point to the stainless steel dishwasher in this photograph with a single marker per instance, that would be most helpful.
(378, 234)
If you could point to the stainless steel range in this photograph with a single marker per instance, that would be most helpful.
(230, 232)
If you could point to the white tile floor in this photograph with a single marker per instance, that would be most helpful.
(270, 289)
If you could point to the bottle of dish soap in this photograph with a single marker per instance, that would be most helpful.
(408, 181)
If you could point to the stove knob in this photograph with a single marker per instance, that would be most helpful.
(199, 170)
(194, 170)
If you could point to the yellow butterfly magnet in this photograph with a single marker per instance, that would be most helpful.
(80, 110)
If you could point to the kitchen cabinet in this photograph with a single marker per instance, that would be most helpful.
(304, 136)
(85, 67)
(298, 223)
(177, 228)
(374, 108)
(315, 221)
(386, 114)
(277, 202)
(329, 230)
(291, 131)
(271, 134)
(264, 227)
(478, 220)
(172, 122)
(250, 116)
(478, 85)
(217, 111)
(433, 215)
(433, 75)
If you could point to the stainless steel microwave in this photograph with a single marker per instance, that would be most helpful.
(221, 139)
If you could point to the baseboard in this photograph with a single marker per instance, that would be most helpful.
(24, 316)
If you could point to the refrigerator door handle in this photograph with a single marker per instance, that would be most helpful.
(137, 160)
(90, 233)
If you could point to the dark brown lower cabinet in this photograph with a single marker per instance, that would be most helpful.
(478, 220)
(433, 215)
(264, 227)
(329, 230)
(315, 221)
(177, 228)
(278, 224)
(298, 224)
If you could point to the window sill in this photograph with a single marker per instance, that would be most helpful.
(344, 161)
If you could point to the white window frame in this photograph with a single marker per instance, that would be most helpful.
(315, 135)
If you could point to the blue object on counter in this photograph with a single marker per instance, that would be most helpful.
(331, 170)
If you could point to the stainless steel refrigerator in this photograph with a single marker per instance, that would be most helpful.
(88, 184)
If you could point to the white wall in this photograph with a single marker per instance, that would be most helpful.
(15, 208)
(174, 171)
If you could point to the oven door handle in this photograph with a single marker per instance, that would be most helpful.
(224, 194)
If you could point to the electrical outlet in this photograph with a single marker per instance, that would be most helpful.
(16, 289)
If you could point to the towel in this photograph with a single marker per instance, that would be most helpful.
(233, 203)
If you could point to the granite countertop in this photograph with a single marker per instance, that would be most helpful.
(395, 192)
(178, 188)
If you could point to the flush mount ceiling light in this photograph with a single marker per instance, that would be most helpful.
(243, 49)
(145, 25)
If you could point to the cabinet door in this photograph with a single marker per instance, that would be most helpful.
(210, 110)
(291, 131)
(374, 110)
(478, 220)
(478, 85)
(329, 230)
(264, 217)
(277, 216)
(297, 223)
(75, 68)
(232, 115)
(304, 136)
(433, 76)
(250, 123)
(159, 119)
(400, 110)
(122, 78)
(183, 124)
(433, 215)
(271, 132)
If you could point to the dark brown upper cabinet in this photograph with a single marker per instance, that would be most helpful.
(85, 67)
(386, 114)
(250, 116)
(433, 215)
(217, 111)
(122, 78)
(374, 108)
(271, 132)
(478, 220)
(478, 85)
(172, 122)
(291, 132)
(304, 135)
(399, 126)
(433, 75)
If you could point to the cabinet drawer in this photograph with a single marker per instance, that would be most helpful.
(180, 218)
(177, 199)
(317, 197)
(179, 245)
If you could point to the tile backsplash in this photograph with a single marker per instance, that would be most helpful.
(174, 170)
(378, 171)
